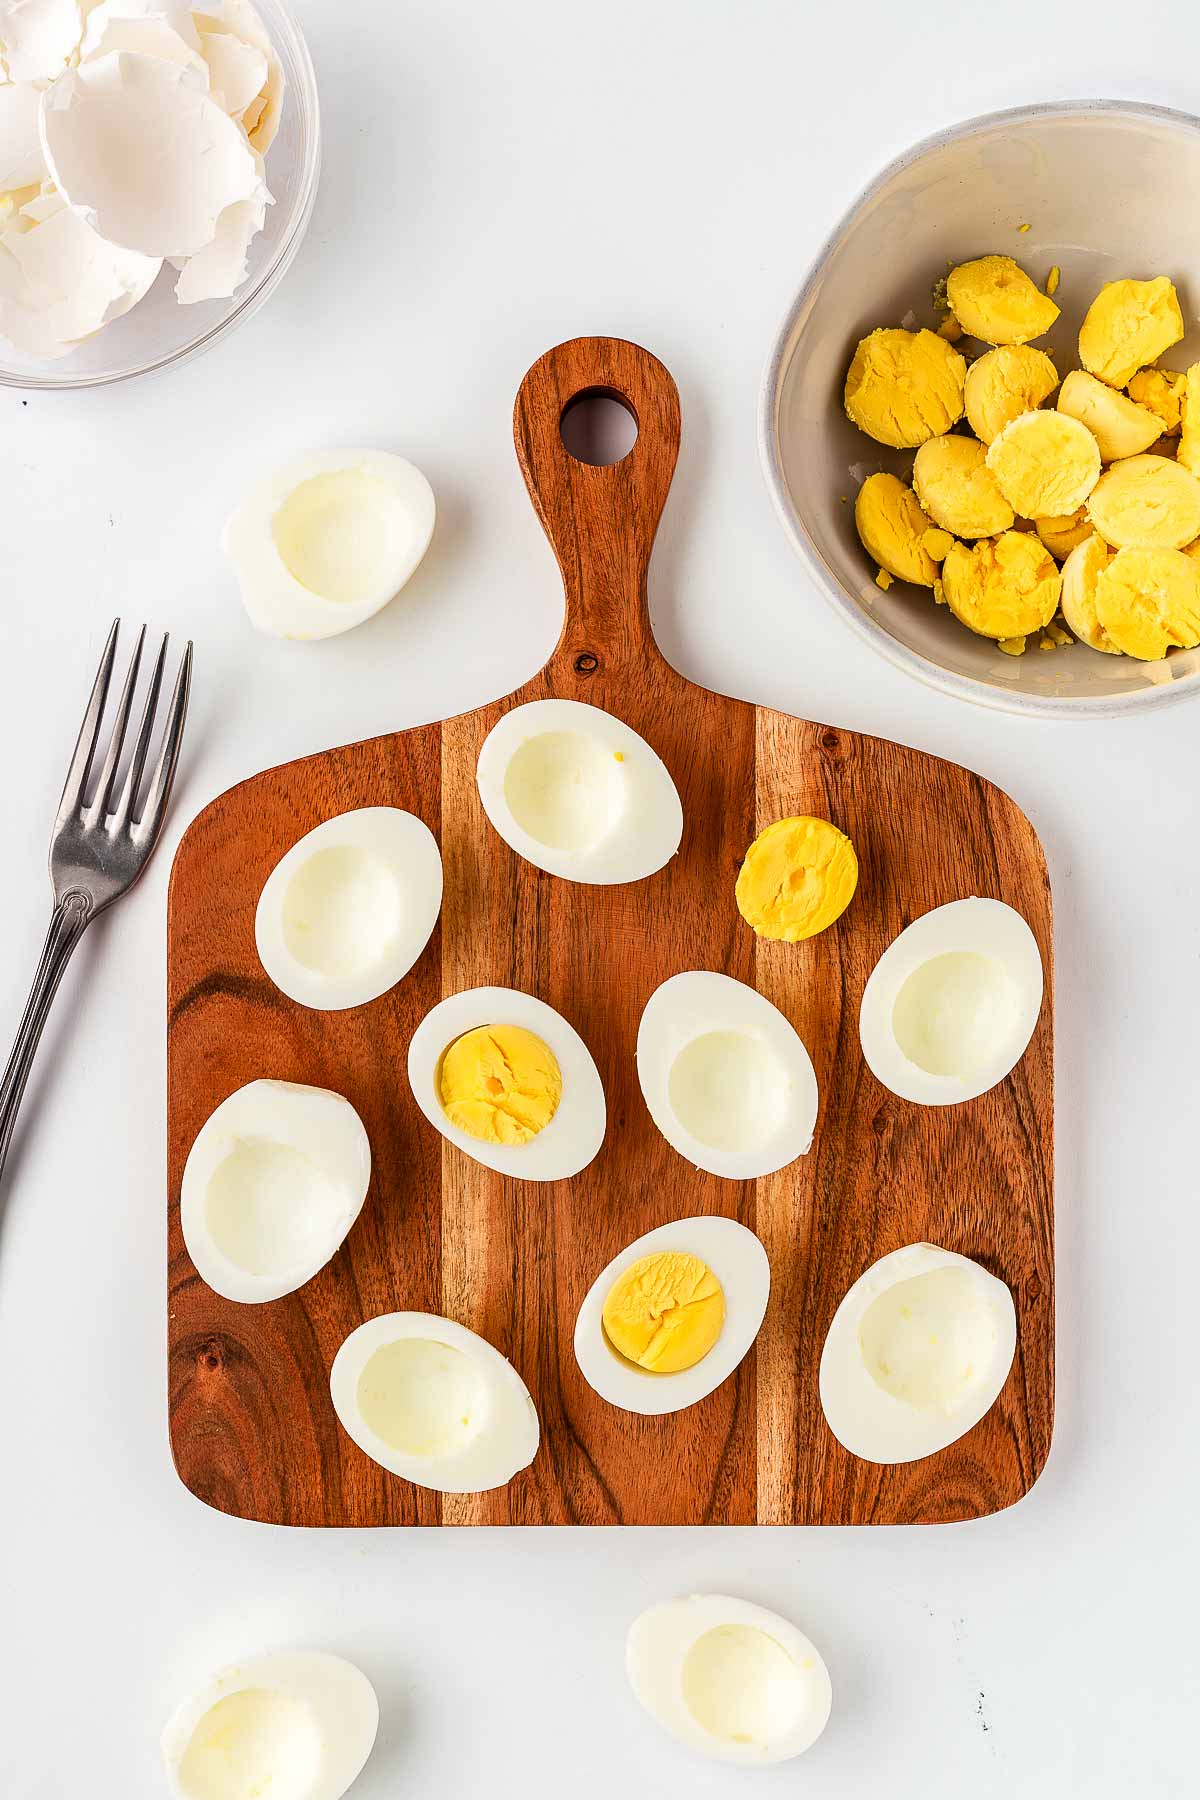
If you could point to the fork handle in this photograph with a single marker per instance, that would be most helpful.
(73, 913)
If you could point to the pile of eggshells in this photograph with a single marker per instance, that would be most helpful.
(132, 133)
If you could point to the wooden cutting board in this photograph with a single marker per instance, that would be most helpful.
(252, 1428)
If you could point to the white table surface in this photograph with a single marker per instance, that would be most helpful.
(499, 178)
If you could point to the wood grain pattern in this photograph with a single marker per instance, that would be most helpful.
(252, 1428)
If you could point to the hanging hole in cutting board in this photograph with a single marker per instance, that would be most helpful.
(598, 426)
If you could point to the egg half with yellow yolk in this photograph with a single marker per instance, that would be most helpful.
(508, 1081)
(671, 1317)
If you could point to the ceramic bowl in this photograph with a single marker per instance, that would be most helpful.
(1107, 189)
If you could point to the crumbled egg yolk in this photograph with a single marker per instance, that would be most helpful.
(500, 1083)
(936, 544)
(1002, 588)
(665, 1312)
(798, 876)
(1160, 391)
(995, 300)
(956, 488)
(1005, 383)
(1146, 501)
(1045, 464)
(892, 526)
(1053, 279)
(1189, 421)
(1129, 324)
(1149, 600)
(903, 387)
(1063, 533)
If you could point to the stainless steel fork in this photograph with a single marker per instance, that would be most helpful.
(99, 847)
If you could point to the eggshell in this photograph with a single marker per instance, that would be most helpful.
(21, 161)
(37, 37)
(218, 270)
(60, 281)
(237, 71)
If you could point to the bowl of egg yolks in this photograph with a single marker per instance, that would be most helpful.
(1079, 195)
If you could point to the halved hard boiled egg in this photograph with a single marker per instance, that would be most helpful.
(296, 1725)
(726, 1078)
(917, 1353)
(327, 541)
(431, 1401)
(734, 1681)
(505, 1078)
(345, 914)
(578, 793)
(276, 1177)
(673, 1315)
(952, 1003)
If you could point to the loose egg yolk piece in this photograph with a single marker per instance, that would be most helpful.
(799, 875)
(994, 299)
(1160, 391)
(904, 387)
(1119, 425)
(957, 489)
(1081, 571)
(500, 1083)
(1148, 601)
(1189, 419)
(1002, 588)
(1005, 383)
(1045, 464)
(1146, 501)
(1129, 324)
(1062, 534)
(665, 1312)
(892, 527)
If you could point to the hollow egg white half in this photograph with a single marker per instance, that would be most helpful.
(575, 1133)
(345, 914)
(952, 1003)
(577, 792)
(731, 1680)
(295, 1725)
(435, 1403)
(327, 541)
(276, 1177)
(737, 1258)
(916, 1354)
(726, 1078)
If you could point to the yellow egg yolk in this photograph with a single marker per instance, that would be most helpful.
(665, 1312)
(1003, 588)
(1045, 463)
(1119, 425)
(892, 527)
(904, 387)
(500, 1083)
(1189, 420)
(799, 875)
(1148, 601)
(1146, 501)
(1081, 571)
(1129, 324)
(1005, 383)
(953, 483)
(994, 299)
(1062, 534)
(1160, 391)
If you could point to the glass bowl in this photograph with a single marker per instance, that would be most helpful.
(158, 331)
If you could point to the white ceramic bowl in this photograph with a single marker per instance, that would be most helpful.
(158, 332)
(1108, 189)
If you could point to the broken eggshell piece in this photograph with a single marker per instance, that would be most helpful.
(916, 1354)
(96, 122)
(346, 912)
(298, 1724)
(327, 541)
(37, 37)
(60, 281)
(952, 1003)
(276, 1177)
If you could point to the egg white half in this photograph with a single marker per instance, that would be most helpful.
(575, 1133)
(578, 793)
(299, 1724)
(725, 1076)
(952, 1003)
(345, 914)
(739, 1262)
(322, 544)
(916, 1354)
(274, 1180)
(435, 1403)
(733, 1681)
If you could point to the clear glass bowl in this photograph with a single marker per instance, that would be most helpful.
(158, 332)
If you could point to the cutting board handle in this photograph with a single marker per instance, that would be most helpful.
(601, 522)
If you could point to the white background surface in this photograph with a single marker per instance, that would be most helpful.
(498, 178)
